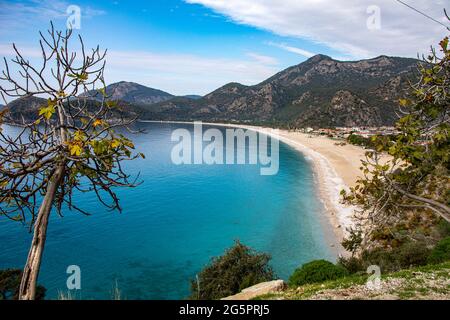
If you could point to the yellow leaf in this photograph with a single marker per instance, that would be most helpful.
(97, 122)
(129, 144)
(79, 136)
(115, 143)
(83, 76)
(47, 112)
(75, 149)
(403, 102)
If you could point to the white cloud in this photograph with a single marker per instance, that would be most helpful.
(263, 59)
(7, 50)
(14, 15)
(176, 73)
(342, 25)
(187, 74)
(295, 50)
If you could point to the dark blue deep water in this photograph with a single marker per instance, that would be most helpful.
(174, 222)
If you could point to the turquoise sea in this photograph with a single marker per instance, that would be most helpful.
(175, 221)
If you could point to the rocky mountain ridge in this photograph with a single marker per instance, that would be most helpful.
(320, 92)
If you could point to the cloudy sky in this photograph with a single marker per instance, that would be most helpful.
(195, 46)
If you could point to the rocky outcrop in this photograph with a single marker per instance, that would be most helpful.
(348, 110)
(133, 93)
(258, 290)
(26, 107)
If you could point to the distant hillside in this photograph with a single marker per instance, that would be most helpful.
(133, 93)
(193, 96)
(27, 108)
(318, 92)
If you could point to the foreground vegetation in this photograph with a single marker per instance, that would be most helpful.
(406, 197)
(413, 270)
(239, 268)
(426, 282)
(10, 285)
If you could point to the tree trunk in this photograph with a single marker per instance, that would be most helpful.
(33, 265)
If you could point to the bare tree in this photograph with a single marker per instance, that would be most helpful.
(71, 147)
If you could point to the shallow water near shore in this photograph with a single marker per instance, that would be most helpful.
(175, 221)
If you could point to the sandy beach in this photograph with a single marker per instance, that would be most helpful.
(346, 160)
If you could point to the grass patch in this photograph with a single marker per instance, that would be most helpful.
(415, 284)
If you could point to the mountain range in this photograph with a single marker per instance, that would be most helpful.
(320, 92)
(133, 93)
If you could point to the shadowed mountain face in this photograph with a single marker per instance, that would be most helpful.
(193, 96)
(128, 94)
(134, 93)
(27, 109)
(319, 92)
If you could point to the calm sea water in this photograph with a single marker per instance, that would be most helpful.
(174, 222)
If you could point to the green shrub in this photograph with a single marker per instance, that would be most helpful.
(409, 254)
(441, 252)
(359, 140)
(353, 241)
(412, 254)
(239, 268)
(443, 228)
(317, 271)
(351, 264)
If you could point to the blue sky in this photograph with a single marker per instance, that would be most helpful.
(195, 46)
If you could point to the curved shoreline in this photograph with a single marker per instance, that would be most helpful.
(328, 181)
(329, 185)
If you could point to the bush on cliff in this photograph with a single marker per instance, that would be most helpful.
(358, 140)
(409, 254)
(240, 267)
(317, 271)
(10, 283)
